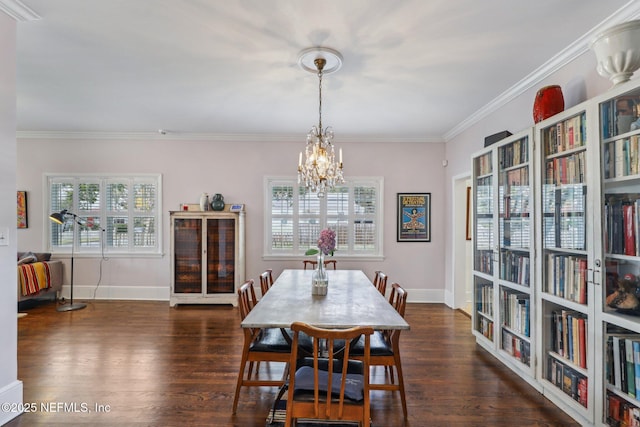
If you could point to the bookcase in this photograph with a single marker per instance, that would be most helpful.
(565, 302)
(617, 255)
(582, 330)
(207, 257)
(502, 236)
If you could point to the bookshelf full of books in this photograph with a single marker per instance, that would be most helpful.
(565, 308)
(484, 240)
(618, 248)
(503, 236)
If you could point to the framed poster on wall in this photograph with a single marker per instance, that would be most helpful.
(414, 217)
(22, 209)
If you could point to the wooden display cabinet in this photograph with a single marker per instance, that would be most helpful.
(207, 257)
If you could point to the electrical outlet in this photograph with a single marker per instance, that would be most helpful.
(4, 236)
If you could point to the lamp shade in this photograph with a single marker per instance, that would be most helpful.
(58, 217)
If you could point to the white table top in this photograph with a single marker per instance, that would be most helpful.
(351, 300)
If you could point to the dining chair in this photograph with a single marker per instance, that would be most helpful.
(385, 350)
(311, 263)
(266, 280)
(260, 345)
(331, 262)
(380, 282)
(329, 386)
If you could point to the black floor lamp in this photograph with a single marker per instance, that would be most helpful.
(60, 218)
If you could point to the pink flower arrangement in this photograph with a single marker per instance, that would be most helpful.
(326, 243)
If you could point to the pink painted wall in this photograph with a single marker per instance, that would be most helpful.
(237, 170)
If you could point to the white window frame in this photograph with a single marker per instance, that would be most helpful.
(102, 213)
(297, 252)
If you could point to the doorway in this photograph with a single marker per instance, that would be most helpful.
(462, 245)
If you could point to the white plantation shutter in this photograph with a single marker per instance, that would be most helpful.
(126, 207)
(294, 218)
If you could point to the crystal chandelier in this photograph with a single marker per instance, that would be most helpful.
(318, 171)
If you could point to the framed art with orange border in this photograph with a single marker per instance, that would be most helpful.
(22, 210)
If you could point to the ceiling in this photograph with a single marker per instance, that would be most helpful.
(412, 70)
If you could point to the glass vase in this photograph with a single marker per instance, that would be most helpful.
(320, 280)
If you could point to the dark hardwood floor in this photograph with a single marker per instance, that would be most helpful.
(146, 364)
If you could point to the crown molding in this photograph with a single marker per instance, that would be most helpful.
(629, 11)
(18, 11)
(213, 137)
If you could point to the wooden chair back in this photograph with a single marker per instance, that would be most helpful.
(398, 298)
(308, 262)
(380, 282)
(330, 262)
(246, 298)
(260, 345)
(266, 280)
(324, 396)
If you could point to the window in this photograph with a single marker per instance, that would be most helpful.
(117, 214)
(294, 217)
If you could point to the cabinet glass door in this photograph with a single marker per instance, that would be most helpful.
(620, 251)
(514, 230)
(187, 255)
(564, 296)
(484, 233)
(221, 256)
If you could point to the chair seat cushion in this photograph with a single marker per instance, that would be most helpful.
(379, 346)
(276, 340)
(304, 384)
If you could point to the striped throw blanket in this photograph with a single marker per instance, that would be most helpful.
(34, 277)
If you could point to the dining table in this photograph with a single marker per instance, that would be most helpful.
(351, 300)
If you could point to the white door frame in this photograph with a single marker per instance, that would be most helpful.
(460, 256)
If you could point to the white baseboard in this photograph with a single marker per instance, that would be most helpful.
(11, 394)
(424, 295)
(148, 293)
(162, 293)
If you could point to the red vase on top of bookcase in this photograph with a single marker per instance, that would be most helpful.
(549, 102)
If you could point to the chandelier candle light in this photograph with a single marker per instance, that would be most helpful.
(319, 171)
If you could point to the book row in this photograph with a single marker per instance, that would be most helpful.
(484, 165)
(565, 135)
(515, 312)
(513, 154)
(618, 116)
(515, 267)
(569, 336)
(484, 299)
(569, 169)
(516, 232)
(622, 365)
(567, 379)
(621, 413)
(566, 232)
(515, 193)
(621, 157)
(484, 261)
(567, 277)
(485, 327)
(517, 347)
(484, 196)
(622, 224)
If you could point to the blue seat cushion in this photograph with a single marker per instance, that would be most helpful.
(379, 346)
(354, 387)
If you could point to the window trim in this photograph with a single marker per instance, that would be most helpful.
(103, 179)
(268, 255)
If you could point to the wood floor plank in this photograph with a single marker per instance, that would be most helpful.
(146, 364)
